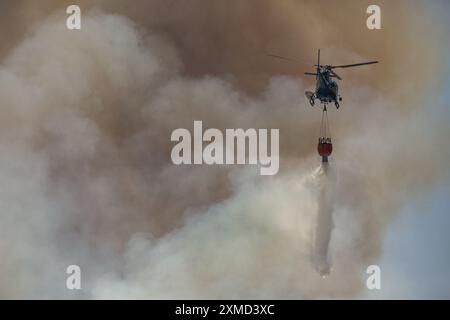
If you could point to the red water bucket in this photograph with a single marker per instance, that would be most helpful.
(325, 148)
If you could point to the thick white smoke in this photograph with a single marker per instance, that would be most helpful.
(86, 176)
(257, 243)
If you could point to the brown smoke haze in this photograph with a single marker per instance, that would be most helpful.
(85, 124)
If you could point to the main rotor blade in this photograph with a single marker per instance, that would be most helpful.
(296, 61)
(335, 74)
(318, 64)
(353, 65)
(282, 58)
(311, 74)
(318, 57)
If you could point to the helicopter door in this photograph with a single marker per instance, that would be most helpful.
(334, 87)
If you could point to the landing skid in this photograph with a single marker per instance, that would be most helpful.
(311, 97)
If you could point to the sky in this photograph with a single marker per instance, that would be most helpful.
(416, 261)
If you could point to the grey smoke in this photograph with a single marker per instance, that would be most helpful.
(86, 175)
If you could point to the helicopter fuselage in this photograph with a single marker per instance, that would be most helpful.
(326, 88)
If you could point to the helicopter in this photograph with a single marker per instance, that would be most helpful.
(327, 90)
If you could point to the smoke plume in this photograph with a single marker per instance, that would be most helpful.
(86, 118)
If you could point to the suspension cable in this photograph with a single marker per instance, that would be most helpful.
(324, 126)
(328, 132)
